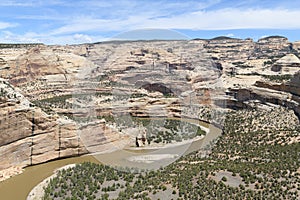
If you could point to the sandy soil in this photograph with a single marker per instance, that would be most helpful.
(155, 146)
(12, 171)
(37, 192)
(150, 158)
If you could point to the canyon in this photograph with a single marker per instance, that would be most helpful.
(64, 101)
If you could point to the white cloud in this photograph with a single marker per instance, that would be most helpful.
(81, 38)
(263, 36)
(72, 39)
(30, 3)
(224, 19)
(84, 25)
(5, 25)
(121, 15)
(16, 3)
(229, 35)
(9, 37)
(108, 17)
(31, 37)
(42, 17)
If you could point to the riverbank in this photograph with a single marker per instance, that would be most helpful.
(31, 176)
(10, 172)
(34, 175)
(156, 146)
(37, 192)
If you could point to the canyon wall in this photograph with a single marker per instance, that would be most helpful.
(41, 84)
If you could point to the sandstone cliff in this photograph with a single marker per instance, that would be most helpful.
(54, 94)
(29, 136)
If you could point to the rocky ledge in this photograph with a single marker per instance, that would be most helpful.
(52, 97)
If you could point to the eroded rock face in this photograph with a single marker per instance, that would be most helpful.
(273, 46)
(42, 70)
(229, 48)
(273, 57)
(47, 71)
(29, 136)
(156, 78)
(288, 64)
(285, 94)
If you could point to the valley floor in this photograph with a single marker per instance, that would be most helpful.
(257, 157)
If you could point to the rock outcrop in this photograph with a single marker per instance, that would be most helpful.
(54, 94)
(29, 136)
(272, 47)
(288, 64)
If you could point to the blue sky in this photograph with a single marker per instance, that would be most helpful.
(79, 21)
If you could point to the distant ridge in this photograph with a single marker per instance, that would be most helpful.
(224, 38)
(273, 37)
(121, 41)
(230, 38)
(219, 38)
(18, 45)
(126, 41)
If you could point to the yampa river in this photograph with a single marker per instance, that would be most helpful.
(19, 186)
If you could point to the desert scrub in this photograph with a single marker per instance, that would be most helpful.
(278, 78)
(268, 170)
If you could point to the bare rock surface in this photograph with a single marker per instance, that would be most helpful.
(51, 97)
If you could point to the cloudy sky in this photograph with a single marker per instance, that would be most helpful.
(79, 21)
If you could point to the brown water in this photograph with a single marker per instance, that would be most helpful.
(122, 157)
(18, 187)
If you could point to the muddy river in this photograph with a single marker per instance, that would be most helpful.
(19, 186)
